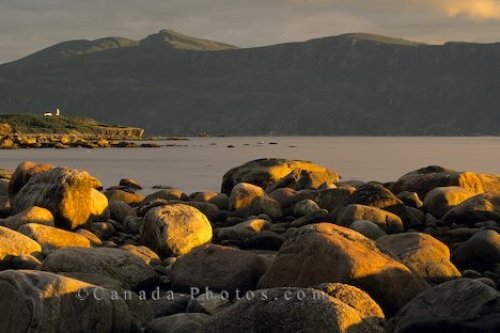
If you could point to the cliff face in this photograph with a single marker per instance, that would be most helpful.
(120, 133)
(36, 126)
(355, 84)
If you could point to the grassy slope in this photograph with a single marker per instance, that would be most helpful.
(36, 124)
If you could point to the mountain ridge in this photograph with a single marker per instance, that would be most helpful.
(351, 84)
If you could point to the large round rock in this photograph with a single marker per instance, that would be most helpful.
(267, 171)
(423, 254)
(24, 171)
(51, 238)
(67, 193)
(219, 268)
(441, 199)
(426, 179)
(461, 305)
(280, 310)
(479, 208)
(481, 251)
(13, 243)
(43, 302)
(324, 252)
(173, 230)
(387, 221)
(119, 264)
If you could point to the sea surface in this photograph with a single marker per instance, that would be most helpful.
(198, 164)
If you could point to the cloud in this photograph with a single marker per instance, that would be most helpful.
(477, 10)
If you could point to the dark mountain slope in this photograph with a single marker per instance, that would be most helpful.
(354, 84)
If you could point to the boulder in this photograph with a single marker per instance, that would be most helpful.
(4, 185)
(33, 214)
(119, 210)
(367, 229)
(266, 205)
(329, 199)
(103, 230)
(491, 183)
(167, 194)
(292, 310)
(140, 309)
(242, 196)
(130, 183)
(24, 261)
(221, 200)
(129, 197)
(178, 323)
(423, 254)
(426, 179)
(69, 194)
(461, 305)
(22, 175)
(118, 264)
(202, 196)
(378, 196)
(441, 199)
(481, 251)
(324, 252)
(211, 211)
(356, 298)
(42, 302)
(13, 243)
(5, 130)
(317, 216)
(387, 221)
(285, 196)
(479, 208)
(219, 268)
(410, 199)
(51, 238)
(300, 179)
(169, 303)
(93, 239)
(265, 172)
(242, 231)
(305, 207)
(7, 143)
(99, 210)
(143, 252)
(173, 230)
(209, 303)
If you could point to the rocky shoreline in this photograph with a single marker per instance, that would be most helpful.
(62, 133)
(285, 246)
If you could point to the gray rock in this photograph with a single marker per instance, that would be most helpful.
(42, 302)
(178, 323)
(481, 251)
(389, 222)
(461, 305)
(221, 269)
(305, 207)
(119, 264)
(367, 229)
(304, 310)
(423, 254)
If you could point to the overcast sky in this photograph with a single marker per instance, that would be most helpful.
(29, 25)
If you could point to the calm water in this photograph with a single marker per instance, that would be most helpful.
(201, 164)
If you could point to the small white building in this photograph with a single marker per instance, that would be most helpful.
(50, 114)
